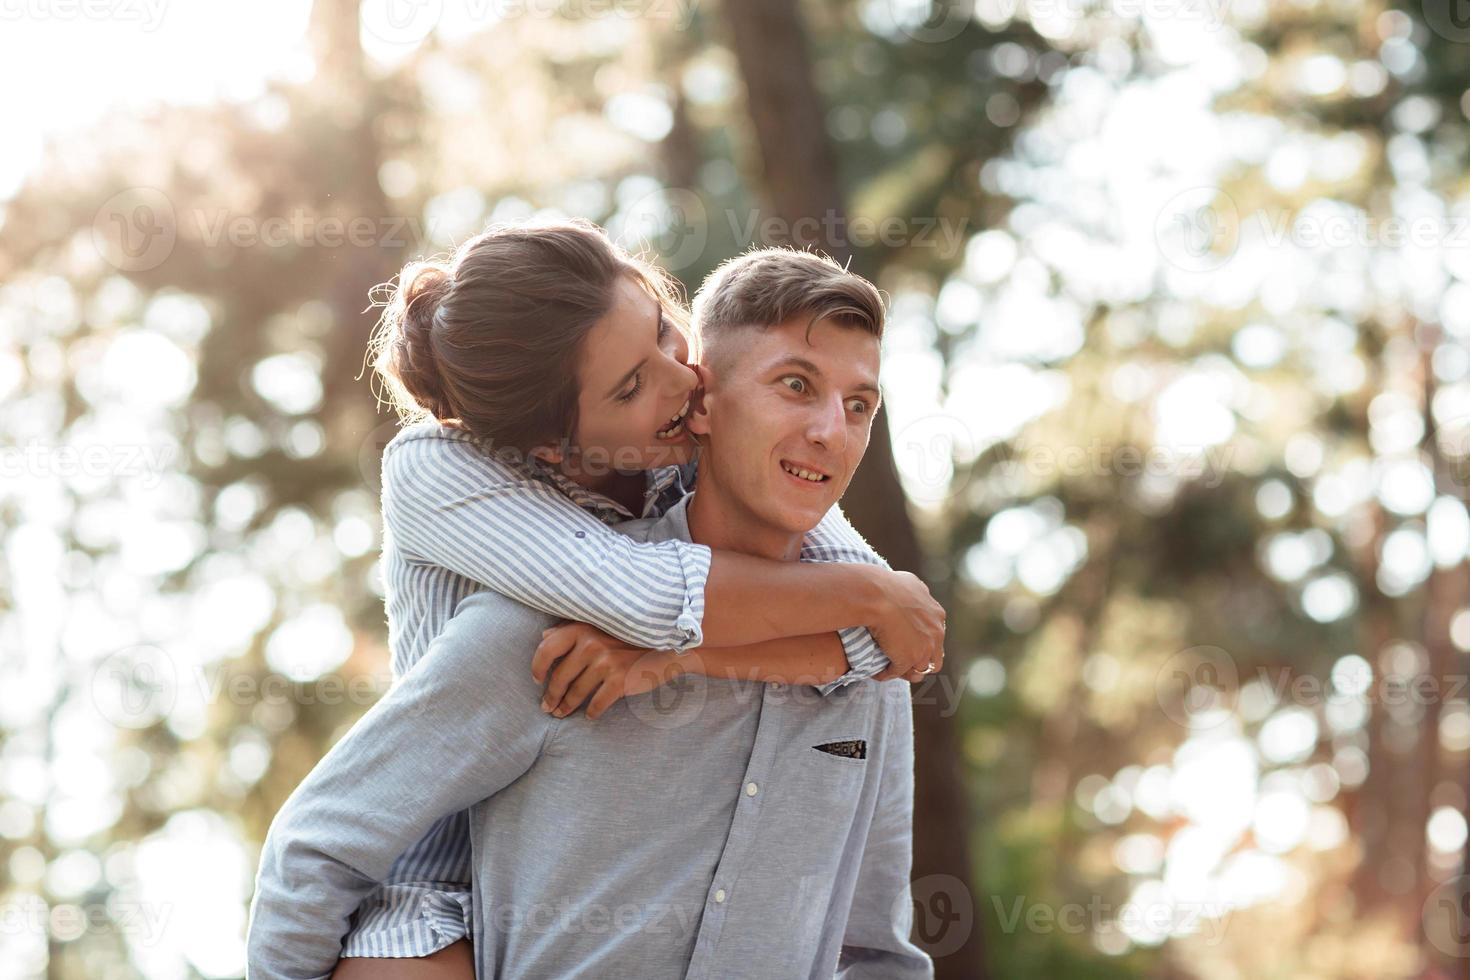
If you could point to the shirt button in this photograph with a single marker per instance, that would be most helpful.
(720, 896)
(751, 789)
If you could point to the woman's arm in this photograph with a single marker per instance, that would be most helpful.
(582, 664)
(448, 503)
(454, 962)
(814, 661)
(835, 539)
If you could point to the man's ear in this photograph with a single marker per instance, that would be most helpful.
(698, 421)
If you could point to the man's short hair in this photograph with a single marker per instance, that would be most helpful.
(767, 287)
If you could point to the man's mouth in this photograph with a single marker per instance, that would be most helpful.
(802, 472)
(674, 427)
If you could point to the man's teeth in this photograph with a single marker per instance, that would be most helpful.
(804, 474)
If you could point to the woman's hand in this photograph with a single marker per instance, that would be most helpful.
(576, 662)
(910, 628)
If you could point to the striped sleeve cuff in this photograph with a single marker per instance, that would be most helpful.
(409, 920)
(864, 659)
(689, 627)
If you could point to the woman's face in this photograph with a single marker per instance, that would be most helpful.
(635, 388)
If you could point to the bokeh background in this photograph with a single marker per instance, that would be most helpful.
(1177, 398)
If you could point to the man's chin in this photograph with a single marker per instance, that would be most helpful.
(797, 517)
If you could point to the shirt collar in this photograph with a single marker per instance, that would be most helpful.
(674, 524)
(664, 486)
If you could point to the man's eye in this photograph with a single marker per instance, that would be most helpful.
(794, 383)
(859, 406)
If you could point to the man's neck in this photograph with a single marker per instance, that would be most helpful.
(719, 521)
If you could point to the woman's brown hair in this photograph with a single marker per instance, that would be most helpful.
(489, 340)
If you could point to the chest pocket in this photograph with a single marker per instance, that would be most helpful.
(833, 752)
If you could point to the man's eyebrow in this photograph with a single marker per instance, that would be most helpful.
(623, 381)
(792, 360)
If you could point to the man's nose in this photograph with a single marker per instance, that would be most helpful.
(828, 424)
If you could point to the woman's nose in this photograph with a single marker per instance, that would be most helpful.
(679, 378)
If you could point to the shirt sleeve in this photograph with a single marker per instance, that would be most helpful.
(835, 539)
(399, 769)
(447, 503)
(876, 944)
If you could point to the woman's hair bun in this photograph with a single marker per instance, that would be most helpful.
(405, 338)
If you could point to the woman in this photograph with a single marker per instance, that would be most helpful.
(551, 373)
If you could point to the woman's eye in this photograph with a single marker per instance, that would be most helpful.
(633, 391)
(859, 406)
(794, 383)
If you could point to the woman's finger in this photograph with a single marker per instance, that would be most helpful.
(580, 691)
(563, 675)
(607, 695)
(889, 673)
(555, 642)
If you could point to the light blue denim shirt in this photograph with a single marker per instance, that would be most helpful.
(458, 519)
(708, 829)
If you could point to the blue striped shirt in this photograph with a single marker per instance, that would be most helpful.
(458, 519)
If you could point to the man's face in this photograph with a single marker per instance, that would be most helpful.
(787, 419)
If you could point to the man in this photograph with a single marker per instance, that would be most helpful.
(748, 830)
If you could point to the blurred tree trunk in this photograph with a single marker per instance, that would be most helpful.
(1445, 590)
(350, 103)
(800, 180)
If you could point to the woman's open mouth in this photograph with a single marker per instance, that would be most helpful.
(675, 426)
